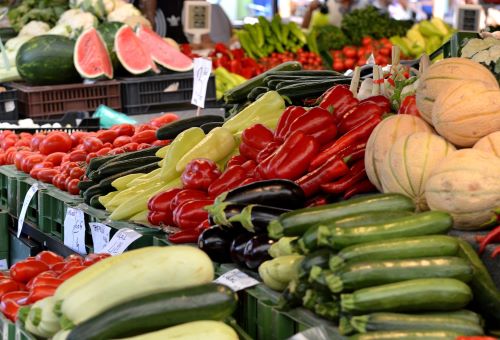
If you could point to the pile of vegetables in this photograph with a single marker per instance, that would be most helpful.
(47, 11)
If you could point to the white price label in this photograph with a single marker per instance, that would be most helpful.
(74, 230)
(27, 199)
(100, 236)
(201, 72)
(236, 280)
(120, 241)
(4, 265)
(5, 331)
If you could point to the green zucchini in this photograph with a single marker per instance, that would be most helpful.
(412, 322)
(329, 310)
(462, 314)
(91, 192)
(105, 183)
(316, 73)
(409, 296)
(207, 127)
(373, 273)
(319, 258)
(309, 241)
(84, 185)
(296, 223)
(413, 335)
(114, 167)
(293, 294)
(157, 311)
(94, 202)
(273, 84)
(283, 83)
(399, 248)
(151, 151)
(240, 92)
(427, 223)
(252, 96)
(313, 297)
(96, 162)
(304, 90)
(170, 131)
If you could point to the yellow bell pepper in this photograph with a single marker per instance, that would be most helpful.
(141, 217)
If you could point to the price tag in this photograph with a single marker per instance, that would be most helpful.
(5, 331)
(4, 265)
(236, 280)
(27, 199)
(100, 236)
(202, 69)
(74, 230)
(120, 241)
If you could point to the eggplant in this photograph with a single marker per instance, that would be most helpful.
(220, 214)
(216, 242)
(237, 249)
(256, 251)
(278, 193)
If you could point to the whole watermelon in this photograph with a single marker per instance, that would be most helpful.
(47, 60)
(108, 31)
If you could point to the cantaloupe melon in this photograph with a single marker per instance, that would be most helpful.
(489, 143)
(409, 163)
(384, 136)
(467, 185)
(444, 73)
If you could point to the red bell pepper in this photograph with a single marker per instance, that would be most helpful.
(356, 174)
(41, 292)
(45, 280)
(492, 237)
(267, 151)
(339, 100)
(10, 304)
(316, 122)
(24, 271)
(289, 115)
(185, 236)
(190, 214)
(495, 252)
(248, 180)
(359, 134)
(332, 169)
(359, 115)
(362, 187)
(199, 174)
(291, 159)
(203, 225)
(236, 160)
(316, 201)
(158, 218)
(186, 195)
(230, 179)
(381, 101)
(409, 106)
(248, 152)
(161, 202)
(257, 136)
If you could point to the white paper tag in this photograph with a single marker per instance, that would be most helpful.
(74, 230)
(27, 199)
(100, 236)
(201, 72)
(5, 331)
(236, 280)
(370, 60)
(120, 241)
(3, 264)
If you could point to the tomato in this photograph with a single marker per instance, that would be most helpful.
(24, 271)
(164, 119)
(55, 142)
(116, 151)
(72, 186)
(45, 174)
(143, 146)
(107, 145)
(361, 61)
(148, 136)
(43, 164)
(48, 257)
(104, 151)
(71, 272)
(76, 172)
(7, 143)
(55, 158)
(121, 141)
(77, 156)
(350, 51)
(90, 156)
(385, 51)
(93, 258)
(23, 142)
(41, 292)
(11, 304)
(30, 161)
(107, 136)
(145, 127)
(338, 66)
(124, 129)
(73, 258)
(18, 158)
(66, 167)
(66, 183)
(161, 142)
(130, 147)
(3, 159)
(46, 280)
(58, 267)
(366, 41)
(92, 144)
(8, 285)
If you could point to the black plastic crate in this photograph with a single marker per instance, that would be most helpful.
(162, 92)
(79, 121)
(8, 105)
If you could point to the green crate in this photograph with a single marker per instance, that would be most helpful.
(23, 185)
(9, 176)
(21, 334)
(21, 248)
(4, 232)
(7, 329)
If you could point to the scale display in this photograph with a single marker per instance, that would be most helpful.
(197, 18)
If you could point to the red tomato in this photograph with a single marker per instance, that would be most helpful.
(107, 136)
(7, 143)
(24, 271)
(8, 285)
(58, 267)
(76, 173)
(46, 280)
(145, 127)
(349, 63)
(74, 258)
(143, 146)
(45, 174)
(116, 151)
(164, 119)
(104, 151)
(23, 142)
(77, 156)
(55, 142)
(49, 257)
(121, 141)
(130, 147)
(92, 144)
(34, 173)
(147, 136)
(3, 159)
(72, 186)
(107, 145)
(43, 164)
(11, 304)
(338, 66)
(161, 142)
(55, 158)
(90, 156)
(18, 158)
(71, 272)
(124, 129)
(41, 292)
(66, 167)
(93, 258)
(385, 51)
(30, 161)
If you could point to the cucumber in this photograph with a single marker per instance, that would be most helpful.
(151, 151)
(317, 73)
(157, 311)
(106, 182)
(373, 273)
(170, 131)
(114, 167)
(399, 248)
(240, 92)
(84, 185)
(282, 83)
(273, 84)
(91, 192)
(293, 294)
(424, 335)
(207, 127)
(409, 296)
(252, 96)
(427, 223)
(96, 162)
(94, 202)
(309, 241)
(296, 223)
(305, 90)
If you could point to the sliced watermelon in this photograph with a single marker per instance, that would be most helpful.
(131, 53)
(91, 56)
(108, 31)
(162, 52)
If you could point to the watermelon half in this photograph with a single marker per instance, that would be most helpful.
(91, 56)
(162, 52)
(131, 53)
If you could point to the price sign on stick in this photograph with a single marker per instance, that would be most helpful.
(100, 236)
(120, 241)
(27, 199)
(74, 230)
(201, 74)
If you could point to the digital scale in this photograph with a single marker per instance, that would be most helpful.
(197, 19)
(468, 18)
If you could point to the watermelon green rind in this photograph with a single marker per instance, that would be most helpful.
(108, 31)
(47, 60)
(138, 52)
(104, 61)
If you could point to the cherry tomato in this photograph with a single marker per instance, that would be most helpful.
(130, 147)
(76, 172)
(71, 272)
(55, 142)
(49, 257)
(72, 186)
(24, 271)
(104, 151)
(93, 258)
(107, 136)
(147, 136)
(349, 63)
(77, 156)
(90, 156)
(124, 129)
(92, 144)
(41, 292)
(45, 174)
(121, 141)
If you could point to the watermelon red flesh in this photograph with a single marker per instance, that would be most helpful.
(91, 56)
(132, 55)
(162, 52)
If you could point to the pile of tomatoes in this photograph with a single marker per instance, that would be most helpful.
(38, 277)
(351, 56)
(309, 60)
(61, 159)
